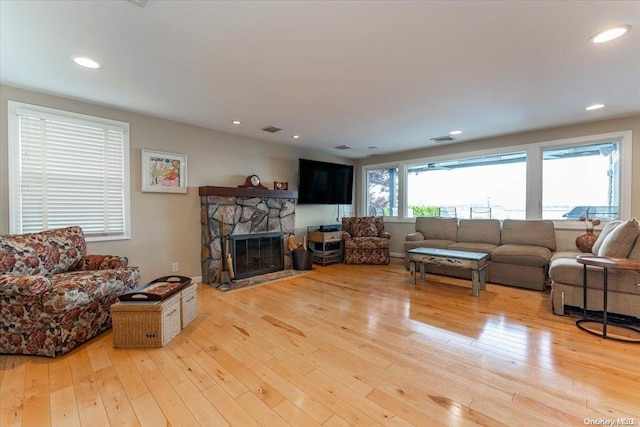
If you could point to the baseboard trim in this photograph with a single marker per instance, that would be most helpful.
(396, 254)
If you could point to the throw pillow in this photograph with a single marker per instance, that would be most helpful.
(608, 228)
(635, 251)
(364, 227)
(619, 242)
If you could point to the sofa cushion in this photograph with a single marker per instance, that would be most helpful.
(367, 243)
(565, 254)
(608, 228)
(363, 227)
(45, 253)
(529, 232)
(473, 247)
(635, 251)
(431, 243)
(569, 271)
(620, 241)
(378, 222)
(79, 288)
(436, 228)
(535, 256)
(479, 231)
(566, 270)
(414, 237)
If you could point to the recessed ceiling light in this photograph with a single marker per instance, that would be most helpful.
(86, 62)
(594, 107)
(611, 34)
(236, 122)
(295, 136)
(455, 132)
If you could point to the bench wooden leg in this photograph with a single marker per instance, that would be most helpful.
(475, 282)
(412, 272)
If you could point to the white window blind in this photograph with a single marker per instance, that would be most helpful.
(68, 169)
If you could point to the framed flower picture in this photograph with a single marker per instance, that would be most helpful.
(164, 172)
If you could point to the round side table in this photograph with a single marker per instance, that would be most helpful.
(605, 263)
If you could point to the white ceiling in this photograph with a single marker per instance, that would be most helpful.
(390, 74)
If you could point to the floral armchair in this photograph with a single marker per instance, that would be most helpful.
(365, 241)
(53, 296)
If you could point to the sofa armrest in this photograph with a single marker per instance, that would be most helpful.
(414, 237)
(101, 262)
(24, 285)
(346, 235)
(385, 235)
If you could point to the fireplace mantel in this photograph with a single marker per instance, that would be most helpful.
(246, 192)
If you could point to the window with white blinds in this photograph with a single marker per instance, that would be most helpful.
(68, 169)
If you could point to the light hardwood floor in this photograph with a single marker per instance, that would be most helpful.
(342, 345)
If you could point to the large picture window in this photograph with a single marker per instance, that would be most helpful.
(581, 181)
(559, 180)
(68, 169)
(476, 187)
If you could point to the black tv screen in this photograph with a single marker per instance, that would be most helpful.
(323, 183)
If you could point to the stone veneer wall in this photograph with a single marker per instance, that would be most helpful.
(237, 215)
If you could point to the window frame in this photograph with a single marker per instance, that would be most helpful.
(401, 196)
(534, 153)
(365, 178)
(626, 153)
(13, 130)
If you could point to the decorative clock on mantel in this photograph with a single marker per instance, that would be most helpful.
(253, 181)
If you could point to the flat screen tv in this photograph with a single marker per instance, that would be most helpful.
(323, 183)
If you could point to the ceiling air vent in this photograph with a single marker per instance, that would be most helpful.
(447, 138)
(342, 147)
(271, 129)
(141, 3)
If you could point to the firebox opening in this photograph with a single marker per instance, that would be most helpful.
(255, 254)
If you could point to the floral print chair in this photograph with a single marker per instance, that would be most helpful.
(365, 241)
(53, 296)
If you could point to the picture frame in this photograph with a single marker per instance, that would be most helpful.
(163, 172)
(278, 185)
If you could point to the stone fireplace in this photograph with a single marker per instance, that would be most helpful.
(227, 213)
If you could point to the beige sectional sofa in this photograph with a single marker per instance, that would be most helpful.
(618, 239)
(519, 250)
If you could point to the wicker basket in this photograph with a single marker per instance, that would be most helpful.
(189, 304)
(146, 325)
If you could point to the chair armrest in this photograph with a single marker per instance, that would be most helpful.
(414, 237)
(346, 235)
(24, 285)
(101, 262)
(385, 235)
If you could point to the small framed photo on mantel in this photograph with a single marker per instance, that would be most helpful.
(278, 185)
(164, 172)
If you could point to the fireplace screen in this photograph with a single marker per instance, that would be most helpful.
(255, 254)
